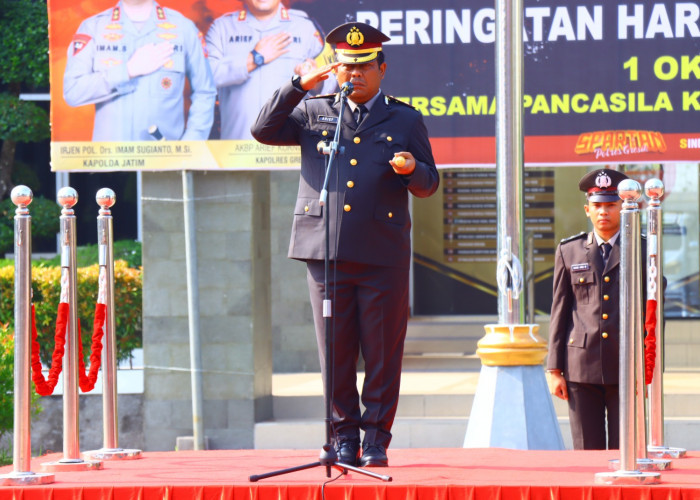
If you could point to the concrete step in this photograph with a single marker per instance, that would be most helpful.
(439, 394)
(448, 343)
(443, 343)
(434, 409)
(436, 433)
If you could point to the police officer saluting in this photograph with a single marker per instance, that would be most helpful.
(254, 50)
(387, 155)
(132, 62)
(583, 363)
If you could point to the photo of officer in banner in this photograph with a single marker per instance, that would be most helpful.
(133, 61)
(645, 109)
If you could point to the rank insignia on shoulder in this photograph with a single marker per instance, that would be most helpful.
(574, 237)
(577, 268)
(390, 99)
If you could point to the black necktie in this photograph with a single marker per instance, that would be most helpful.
(360, 113)
(605, 248)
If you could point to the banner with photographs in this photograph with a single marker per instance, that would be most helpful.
(176, 85)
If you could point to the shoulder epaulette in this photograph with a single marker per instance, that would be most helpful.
(390, 98)
(574, 237)
(297, 13)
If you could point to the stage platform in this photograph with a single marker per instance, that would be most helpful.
(417, 474)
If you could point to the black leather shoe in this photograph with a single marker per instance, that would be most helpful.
(374, 455)
(348, 452)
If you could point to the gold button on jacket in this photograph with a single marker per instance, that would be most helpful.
(369, 190)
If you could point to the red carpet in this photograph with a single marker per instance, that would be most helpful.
(418, 474)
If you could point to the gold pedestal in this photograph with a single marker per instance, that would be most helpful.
(511, 345)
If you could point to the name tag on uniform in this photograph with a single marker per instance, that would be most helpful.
(577, 268)
(328, 119)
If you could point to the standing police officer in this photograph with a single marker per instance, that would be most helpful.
(132, 61)
(367, 209)
(584, 333)
(252, 52)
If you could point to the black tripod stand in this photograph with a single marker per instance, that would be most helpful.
(328, 457)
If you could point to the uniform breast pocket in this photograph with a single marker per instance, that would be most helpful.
(168, 83)
(389, 143)
(583, 284)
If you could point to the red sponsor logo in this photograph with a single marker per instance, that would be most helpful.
(611, 143)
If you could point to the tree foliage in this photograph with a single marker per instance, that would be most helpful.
(24, 44)
(24, 65)
(22, 121)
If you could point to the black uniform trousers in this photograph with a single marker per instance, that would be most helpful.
(369, 315)
(589, 405)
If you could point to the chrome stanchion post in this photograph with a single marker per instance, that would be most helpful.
(22, 474)
(654, 189)
(630, 327)
(71, 461)
(530, 277)
(643, 460)
(110, 450)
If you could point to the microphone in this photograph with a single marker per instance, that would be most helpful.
(324, 147)
(155, 133)
(346, 89)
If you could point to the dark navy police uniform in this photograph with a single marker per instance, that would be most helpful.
(369, 241)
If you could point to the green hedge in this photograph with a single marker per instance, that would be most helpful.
(46, 286)
(45, 222)
(7, 385)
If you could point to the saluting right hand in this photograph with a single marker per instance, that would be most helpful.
(313, 78)
(149, 58)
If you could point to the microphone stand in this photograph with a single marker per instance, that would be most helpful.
(328, 457)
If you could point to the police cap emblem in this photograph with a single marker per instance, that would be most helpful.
(356, 43)
(601, 185)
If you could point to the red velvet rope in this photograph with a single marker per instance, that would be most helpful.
(87, 381)
(650, 341)
(44, 387)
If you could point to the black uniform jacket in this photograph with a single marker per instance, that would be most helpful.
(368, 201)
(584, 331)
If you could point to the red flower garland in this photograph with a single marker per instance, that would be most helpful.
(87, 382)
(650, 341)
(43, 387)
